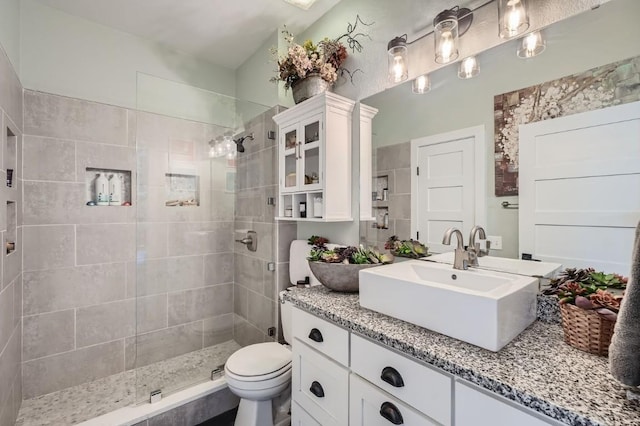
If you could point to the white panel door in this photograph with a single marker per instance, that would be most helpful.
(448, 183)
(580, 188)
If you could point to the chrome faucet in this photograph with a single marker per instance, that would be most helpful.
(461, 259)
(474, 249)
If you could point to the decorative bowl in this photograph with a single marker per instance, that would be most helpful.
(339, 276)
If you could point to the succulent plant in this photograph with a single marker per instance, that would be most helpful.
(349, 255)
(406, 248)
(591, 290)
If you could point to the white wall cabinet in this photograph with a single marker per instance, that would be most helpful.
(340, 378)
(314, 159)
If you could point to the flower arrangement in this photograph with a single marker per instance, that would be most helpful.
(324, 58)
(406, 248)
(590, 290)
(346, 255)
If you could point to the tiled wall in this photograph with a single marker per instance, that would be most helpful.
(111, 288)
(256, 288)
(11, 265)
(394, 162)
(76, 310)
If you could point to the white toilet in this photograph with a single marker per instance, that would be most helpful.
(259, 373)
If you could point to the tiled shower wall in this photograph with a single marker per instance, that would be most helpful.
(256, 287)
(11, 228)
(393, 162)
(94, 276)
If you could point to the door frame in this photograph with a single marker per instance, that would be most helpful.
(480, 168)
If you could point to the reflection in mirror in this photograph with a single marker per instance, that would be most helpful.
(574, 45)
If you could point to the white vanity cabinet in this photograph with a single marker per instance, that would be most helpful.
(320, 374)
(341, 378)
(423, 388)
(475, 407)
(314, 159)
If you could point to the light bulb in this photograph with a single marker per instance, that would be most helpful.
(421, 84)
(446, 46)
(468, 68)
(532, 45)
(398, 68)
(513, 20)
(219, 149)
(513, 17)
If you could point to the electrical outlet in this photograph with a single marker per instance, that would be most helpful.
(496, 242)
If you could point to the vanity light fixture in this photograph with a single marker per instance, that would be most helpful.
(513, 18)
(468, 68)
(531, 45)
(398, 58)
(421, 85)
(448, 26)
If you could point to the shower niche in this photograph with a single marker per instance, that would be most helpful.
(10, 157)
(182, 190)
(107, 187)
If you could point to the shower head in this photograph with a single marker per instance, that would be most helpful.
(239, 142)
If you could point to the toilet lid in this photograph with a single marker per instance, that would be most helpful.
(259, 359)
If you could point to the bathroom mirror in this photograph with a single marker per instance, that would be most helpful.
(589, 40)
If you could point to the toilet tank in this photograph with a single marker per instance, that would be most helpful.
(286, 312)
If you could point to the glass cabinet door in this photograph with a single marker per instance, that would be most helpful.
(289, 159)
(311, 154)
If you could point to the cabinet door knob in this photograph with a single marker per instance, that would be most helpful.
(315, 335)
(391, 413)
(316, 389)
(391, 376)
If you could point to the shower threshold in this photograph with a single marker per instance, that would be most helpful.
(126, 394)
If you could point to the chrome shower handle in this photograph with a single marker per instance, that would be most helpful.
(251, 241)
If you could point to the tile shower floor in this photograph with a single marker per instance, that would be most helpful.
(83, 402)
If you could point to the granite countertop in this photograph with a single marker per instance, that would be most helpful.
(537, 369)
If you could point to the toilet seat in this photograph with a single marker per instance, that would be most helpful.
(259, 362)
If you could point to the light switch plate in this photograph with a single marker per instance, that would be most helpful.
(496, 242)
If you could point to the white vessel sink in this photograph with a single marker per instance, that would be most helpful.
(484, 308)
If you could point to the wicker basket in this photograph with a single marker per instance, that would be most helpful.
(586, 330)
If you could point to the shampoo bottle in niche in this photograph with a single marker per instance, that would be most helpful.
(115, 190)
(102, 190)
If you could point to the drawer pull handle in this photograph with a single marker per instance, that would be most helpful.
(315, 335)
(391, 413)
(391, 376)
(316, 389)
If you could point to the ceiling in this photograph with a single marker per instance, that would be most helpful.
(225, 32)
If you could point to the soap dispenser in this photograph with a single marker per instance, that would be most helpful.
(115, 190)
(102, 190)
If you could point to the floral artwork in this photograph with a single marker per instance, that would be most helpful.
(601, 87)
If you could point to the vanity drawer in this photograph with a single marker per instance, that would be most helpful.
(418, 385)
(320, 386)
(369, 406)
(299, 417)
(321, 335)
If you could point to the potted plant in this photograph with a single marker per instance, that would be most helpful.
(589, 305)
(413, 249)
(338, 268)
(312, 68)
